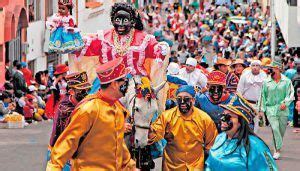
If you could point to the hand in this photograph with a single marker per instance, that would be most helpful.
(282, 106)
(169, 136)
(165, 49)
(128, 127)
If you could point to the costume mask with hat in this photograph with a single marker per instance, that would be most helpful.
(79, 83)
(185, 101)
(241, 107)
(217, 83)
(114, 70)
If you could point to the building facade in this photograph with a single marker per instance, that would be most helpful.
(13, 33)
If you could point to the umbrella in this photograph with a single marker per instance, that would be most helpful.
(237, 19)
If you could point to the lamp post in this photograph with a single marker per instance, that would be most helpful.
(273, 29)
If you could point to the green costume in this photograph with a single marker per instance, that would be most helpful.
(273, 95)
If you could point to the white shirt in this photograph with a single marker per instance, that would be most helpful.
(250, 85)
(194, 78)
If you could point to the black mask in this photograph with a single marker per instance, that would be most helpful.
(124, 87)
(185, 101)
(122, 22)
(79, 95)
(216, 92)
(227, 119)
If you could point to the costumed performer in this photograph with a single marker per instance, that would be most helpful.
(189, 132)
(78, 87)
(238, 147)
(209, 101)
(94, 138)
(127, 40)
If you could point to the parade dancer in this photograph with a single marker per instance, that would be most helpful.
(189, 132)
(276, 95)
(231, 79)
(78, 87)
(65, 36)
(209, 101)
(94, 138)
(250, 86)
(238, 147)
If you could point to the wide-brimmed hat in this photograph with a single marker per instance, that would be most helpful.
(222, 61)
(112, 70)
(216, 78)
(78, 80)
(238, 61)
(60, 69)
(240, 106)
(276, 64)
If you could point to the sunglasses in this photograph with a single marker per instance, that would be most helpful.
(225, 117)
(183, 99)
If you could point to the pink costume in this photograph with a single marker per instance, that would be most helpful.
(142, 47)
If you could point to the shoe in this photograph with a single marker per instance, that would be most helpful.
(276, 156)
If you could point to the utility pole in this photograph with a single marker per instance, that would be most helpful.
(77, 13)
(273, 29)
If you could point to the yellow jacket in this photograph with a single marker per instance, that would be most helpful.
(192, 134)
(101, 122)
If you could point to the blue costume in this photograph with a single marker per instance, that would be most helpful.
(64, 37)
(222, 157)
(213, 110)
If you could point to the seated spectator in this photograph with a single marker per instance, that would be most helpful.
(6, 103)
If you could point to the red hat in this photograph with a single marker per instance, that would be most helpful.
(60, 69)
(29, 96)
(217, 78)
(112, 70)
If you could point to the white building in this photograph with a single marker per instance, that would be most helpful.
(91, 15)
(286, 13)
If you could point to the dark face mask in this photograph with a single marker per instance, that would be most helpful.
(185, 101)
(122, 22)
(227, 119)
(124, 87)
(215, 92)
(79, 95)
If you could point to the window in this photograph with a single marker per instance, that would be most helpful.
(292, 2)
(93, 3)
(34, 7)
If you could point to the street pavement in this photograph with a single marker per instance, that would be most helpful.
(25, 149)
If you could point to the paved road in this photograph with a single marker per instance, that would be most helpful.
(25, 149)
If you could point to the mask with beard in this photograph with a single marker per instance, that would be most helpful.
(216, 92)
(184, 104)
(122, 22)
(124, 87)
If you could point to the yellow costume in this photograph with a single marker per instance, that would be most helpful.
(101, 122)
(192, 135)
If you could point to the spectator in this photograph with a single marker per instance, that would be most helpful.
(6, 103)
(27, 73)
(19, 81)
